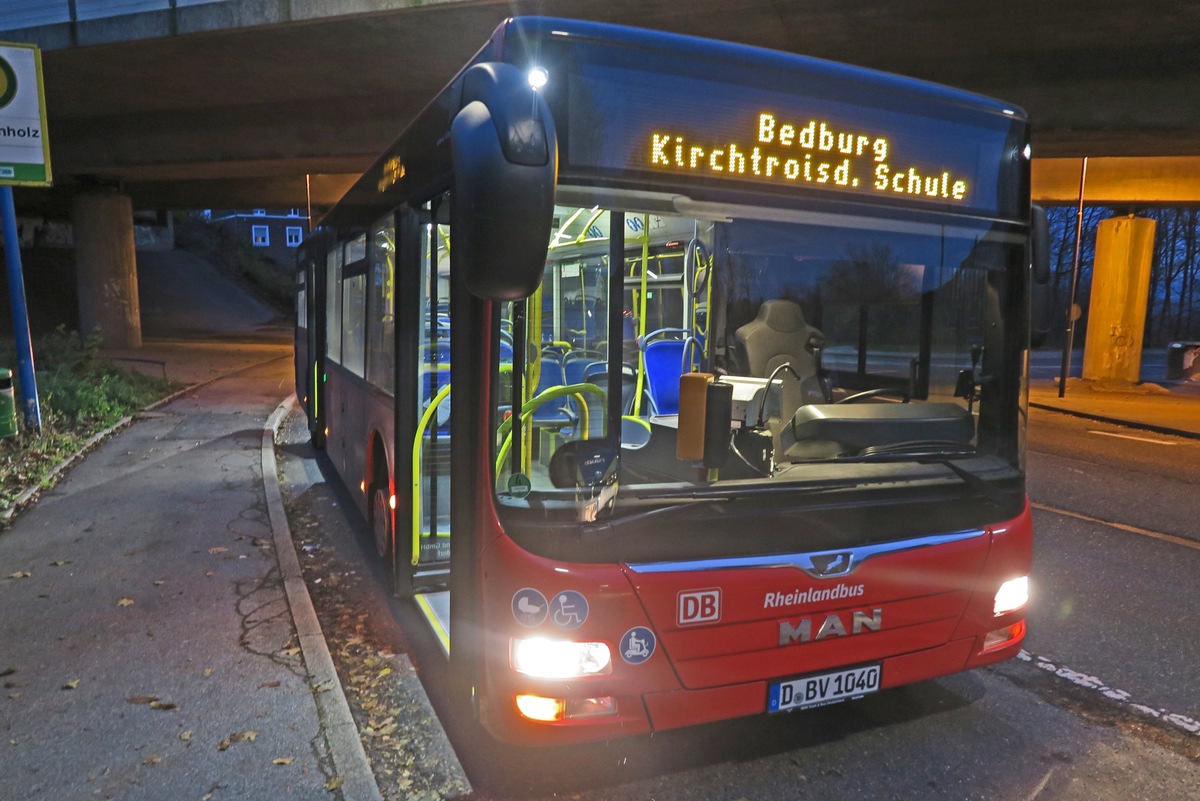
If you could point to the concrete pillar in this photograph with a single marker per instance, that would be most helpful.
(1117, 308)
(106, 268)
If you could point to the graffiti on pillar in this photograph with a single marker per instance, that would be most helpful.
(1121, 342)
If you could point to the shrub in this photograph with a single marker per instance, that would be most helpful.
(80, 393)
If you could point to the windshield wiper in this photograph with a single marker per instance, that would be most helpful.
(915, 450)
(748, 489)
(939, 452)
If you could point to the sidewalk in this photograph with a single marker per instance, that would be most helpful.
(150, 644)
(1162, 408)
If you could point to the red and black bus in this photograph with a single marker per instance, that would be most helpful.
(682, 380)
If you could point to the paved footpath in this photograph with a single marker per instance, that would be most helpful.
(147, 647)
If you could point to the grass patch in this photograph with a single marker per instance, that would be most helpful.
(80, 393)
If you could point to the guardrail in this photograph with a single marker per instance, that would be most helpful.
(19, 14)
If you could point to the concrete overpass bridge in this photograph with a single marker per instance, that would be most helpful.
(233, 103)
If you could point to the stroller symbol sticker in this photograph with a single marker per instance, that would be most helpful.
(637, 645)
(568, 609)
(529, 607)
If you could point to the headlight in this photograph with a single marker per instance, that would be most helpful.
(560, 659)
(1012, 595)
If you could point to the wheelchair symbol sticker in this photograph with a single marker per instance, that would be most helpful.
(637, 645)
(529, 607)
(568, 609)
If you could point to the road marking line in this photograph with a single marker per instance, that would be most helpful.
(1190, 725)
(1158, 535)
(1130, 436)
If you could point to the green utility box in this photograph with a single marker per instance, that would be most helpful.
(8, 405)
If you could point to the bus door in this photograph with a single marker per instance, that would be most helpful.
(424, 566)
(310, 339)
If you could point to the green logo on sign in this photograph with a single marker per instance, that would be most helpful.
(8, 83)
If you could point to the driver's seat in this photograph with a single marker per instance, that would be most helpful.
(777, 335)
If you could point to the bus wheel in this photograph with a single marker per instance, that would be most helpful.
(381, 521)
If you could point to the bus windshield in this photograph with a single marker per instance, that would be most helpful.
(740, 348)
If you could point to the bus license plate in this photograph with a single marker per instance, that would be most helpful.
(823, 688)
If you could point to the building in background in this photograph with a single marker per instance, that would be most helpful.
(274, 233)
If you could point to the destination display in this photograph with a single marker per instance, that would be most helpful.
(694, 129)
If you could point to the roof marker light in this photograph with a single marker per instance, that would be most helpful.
(538, 77)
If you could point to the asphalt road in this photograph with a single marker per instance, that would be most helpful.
(1118, 603)
(1101, 706)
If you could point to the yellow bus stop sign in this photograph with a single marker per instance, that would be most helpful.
(24, 146)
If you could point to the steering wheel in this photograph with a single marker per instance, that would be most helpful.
(872, 393)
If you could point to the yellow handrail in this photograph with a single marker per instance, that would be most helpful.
(641, 373)
(527, 409)
(442, 394)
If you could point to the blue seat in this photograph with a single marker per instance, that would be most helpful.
(558, 411)
(663, 356)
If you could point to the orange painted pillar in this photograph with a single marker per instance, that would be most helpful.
(1117, 308)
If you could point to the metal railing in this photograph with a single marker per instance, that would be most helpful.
(20, 14)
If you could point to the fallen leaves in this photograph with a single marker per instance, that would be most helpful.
(20, 574)
(152, 702)
(125, 602)
(237, 737)
(218, 549)
(283, 761)
(334, 784)
(71, 685)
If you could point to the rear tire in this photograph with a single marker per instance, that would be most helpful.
(381, 523)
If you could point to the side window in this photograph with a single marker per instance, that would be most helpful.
(260, 236)
(301, 299)
(381, 306)
(354, 302)
(333, 304)
(295, 234)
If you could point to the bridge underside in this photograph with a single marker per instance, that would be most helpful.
(234, 104)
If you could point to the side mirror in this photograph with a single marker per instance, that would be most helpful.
(505, 158)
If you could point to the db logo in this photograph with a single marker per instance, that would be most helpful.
(699, 606)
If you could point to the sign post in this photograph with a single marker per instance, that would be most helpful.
(24, 161)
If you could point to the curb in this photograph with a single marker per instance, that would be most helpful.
(1118, 421)
(341, 734)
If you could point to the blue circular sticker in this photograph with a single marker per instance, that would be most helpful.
(637, 645)
(529, 607)
(568, 609)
